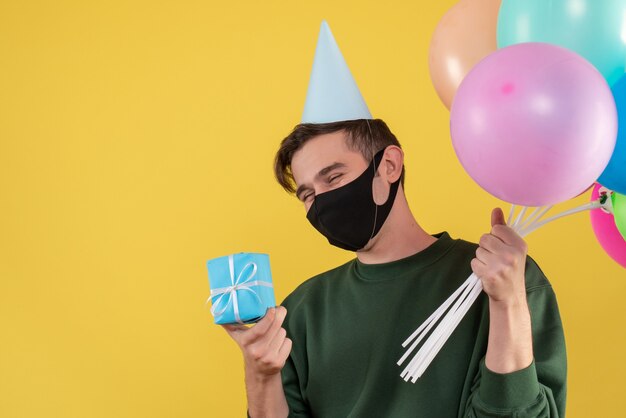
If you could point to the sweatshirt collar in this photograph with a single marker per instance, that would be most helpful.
(410, 264)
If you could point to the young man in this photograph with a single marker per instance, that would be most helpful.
(331, 349)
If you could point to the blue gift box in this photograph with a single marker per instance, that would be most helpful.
(241, 288)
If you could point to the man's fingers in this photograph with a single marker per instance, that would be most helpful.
(502, 231)
(266, 328)
(231, 328)
(277, 341)
(509, 237)
(478, 267)
(235, 331)
(260, 328)
(497, 217)
(506, 233)
(281, 313)
(485, 256)
(491, 243)
(285, 349)
(265, 345)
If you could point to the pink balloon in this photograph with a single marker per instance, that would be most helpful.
(534, 124)
(607, 233)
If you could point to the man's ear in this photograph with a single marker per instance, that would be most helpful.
(392, 163)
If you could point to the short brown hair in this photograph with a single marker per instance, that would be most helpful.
(368, 136)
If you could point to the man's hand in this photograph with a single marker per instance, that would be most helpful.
(500, 262)
(265, 345)
(265, 349)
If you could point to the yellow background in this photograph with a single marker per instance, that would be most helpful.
(136, 142)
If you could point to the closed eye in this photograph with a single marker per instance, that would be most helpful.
(331, 179)
(306, 196)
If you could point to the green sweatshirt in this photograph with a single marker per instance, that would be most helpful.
(348, 324)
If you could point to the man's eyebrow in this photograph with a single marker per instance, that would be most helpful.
(328, 169)
(300, 190)
(324, 171)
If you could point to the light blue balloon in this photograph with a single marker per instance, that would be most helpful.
(595, 29)
(614, 175)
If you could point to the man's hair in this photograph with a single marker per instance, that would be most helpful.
(368, 136)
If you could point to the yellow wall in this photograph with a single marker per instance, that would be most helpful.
(136, 142)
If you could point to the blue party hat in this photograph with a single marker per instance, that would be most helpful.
(333, 94)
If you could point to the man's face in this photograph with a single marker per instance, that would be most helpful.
(325, 163)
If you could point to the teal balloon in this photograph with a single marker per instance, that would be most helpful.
(595, 29)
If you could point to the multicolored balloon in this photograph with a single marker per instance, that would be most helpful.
(607, 234)
(534, 124)
(592, 28)
(465, 35)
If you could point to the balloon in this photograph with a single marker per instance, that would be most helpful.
(606, 232)
(534, 124)
(586, 190)
(464, 36)
(592, 28)
(614, 175)
(619, 212)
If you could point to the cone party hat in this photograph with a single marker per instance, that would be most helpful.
(333, 94)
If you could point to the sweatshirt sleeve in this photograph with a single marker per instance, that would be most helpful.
(538, 391)
(297, 407)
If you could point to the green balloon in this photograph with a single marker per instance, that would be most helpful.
(619, 210)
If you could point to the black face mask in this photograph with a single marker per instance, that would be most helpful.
(348, 216)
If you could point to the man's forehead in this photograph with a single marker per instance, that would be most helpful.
(319, 153)
(331, 142)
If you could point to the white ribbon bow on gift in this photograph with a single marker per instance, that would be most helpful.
(235, 286)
